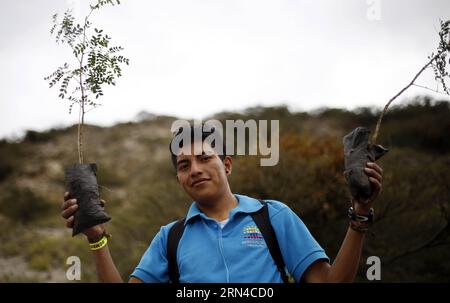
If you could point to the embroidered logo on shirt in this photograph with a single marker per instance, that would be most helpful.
(253, 237)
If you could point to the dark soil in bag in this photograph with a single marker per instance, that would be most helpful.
(357, 152)
(81, 183)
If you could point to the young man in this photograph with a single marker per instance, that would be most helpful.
(222, 243)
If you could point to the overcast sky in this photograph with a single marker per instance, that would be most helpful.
(192, 58)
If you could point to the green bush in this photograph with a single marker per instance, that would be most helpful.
(23, 205)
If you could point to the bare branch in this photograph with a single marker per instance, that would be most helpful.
(439, 239)
(377, 128)
(94, 107)
(433, 90)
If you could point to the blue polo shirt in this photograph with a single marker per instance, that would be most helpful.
(237, 253)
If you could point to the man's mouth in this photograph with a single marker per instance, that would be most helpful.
(199, 182)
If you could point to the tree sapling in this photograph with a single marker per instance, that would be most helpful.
(357, 148)
(97, 63)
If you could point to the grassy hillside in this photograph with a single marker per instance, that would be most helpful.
(137, 179)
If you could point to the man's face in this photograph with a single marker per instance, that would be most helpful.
(204, 176)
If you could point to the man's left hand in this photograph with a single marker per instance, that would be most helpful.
(375, 174)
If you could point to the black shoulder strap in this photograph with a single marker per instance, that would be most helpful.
(173, 239)
(262, 220)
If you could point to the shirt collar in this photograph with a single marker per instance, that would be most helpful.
(246, 205)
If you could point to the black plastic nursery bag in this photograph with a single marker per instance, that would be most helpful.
(357, 152)
(81, 183)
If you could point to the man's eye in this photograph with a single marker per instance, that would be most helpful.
(182, 167)
(206, 157)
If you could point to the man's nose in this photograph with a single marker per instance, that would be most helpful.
(195, 168)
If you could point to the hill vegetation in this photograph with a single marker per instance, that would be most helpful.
(136, 178)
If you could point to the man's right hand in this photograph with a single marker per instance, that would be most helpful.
(106, 270)
(69, 207)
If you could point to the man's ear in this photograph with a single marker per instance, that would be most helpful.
(228, 164)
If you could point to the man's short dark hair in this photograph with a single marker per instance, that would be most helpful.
(205, 134)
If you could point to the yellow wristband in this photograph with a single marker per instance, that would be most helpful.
(100, 244)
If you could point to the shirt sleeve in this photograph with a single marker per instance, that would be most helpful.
(298, 246)
(153, 267)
